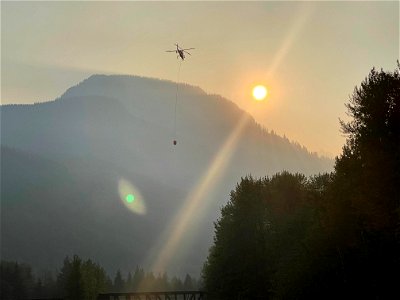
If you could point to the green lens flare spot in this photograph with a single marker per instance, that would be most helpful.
(130, 198)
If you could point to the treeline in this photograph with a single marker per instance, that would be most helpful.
(331, 236)
(82, 280)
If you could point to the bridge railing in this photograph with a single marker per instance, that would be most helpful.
(176, 295)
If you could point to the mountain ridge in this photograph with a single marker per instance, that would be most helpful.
(69, 94)
(113, 127)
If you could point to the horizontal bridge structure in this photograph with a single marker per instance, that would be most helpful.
(178, 295)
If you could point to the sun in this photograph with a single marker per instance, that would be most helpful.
(260, 92)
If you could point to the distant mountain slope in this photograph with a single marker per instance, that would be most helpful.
(61, 162)
(50, 210)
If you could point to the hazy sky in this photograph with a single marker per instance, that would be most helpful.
(310, 55)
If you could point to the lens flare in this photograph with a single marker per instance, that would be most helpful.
(131, 197)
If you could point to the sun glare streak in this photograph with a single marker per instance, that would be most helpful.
(291, 37)
(195, 202)
(131, 197)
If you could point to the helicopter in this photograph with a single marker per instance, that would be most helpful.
(180, 51)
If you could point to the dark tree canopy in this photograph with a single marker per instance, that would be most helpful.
(372, 152)
(80, 279)
(17, 280)
(255, 231)
(331, 236)
(366, 186)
